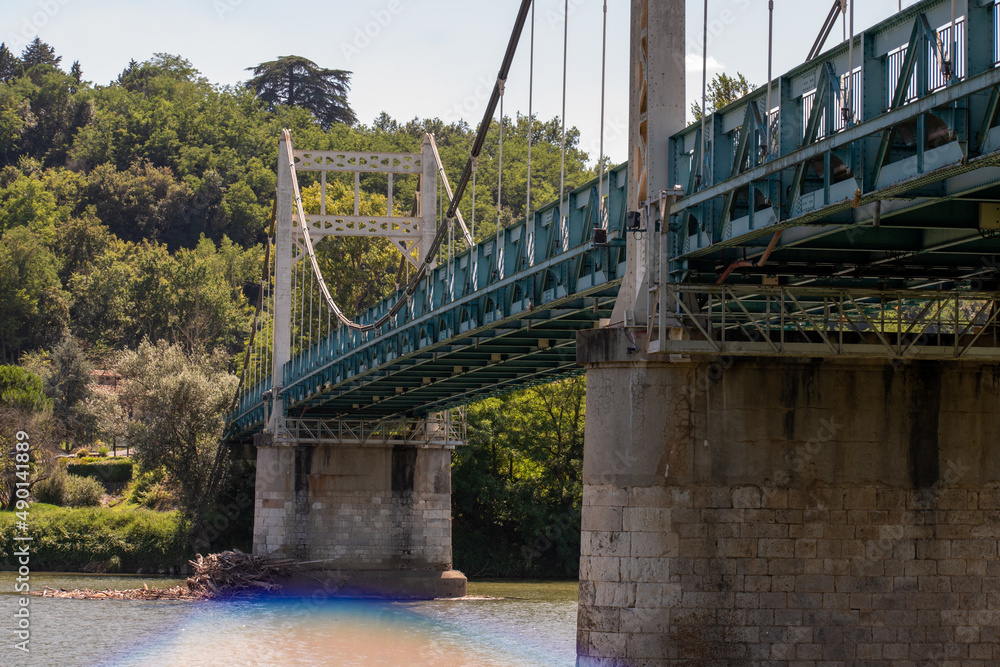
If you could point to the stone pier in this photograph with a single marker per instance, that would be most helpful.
(368, 520)
(788, 511)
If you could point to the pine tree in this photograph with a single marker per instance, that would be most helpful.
(298, 82)
(9, 64)
(39, 53)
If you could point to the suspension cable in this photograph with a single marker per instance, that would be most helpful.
(531, 120)
(441, 233)
(704, 94)
(600, 161)
(312, 282)
(475, 168)
(265, 279)
(562, 160)
(491, 107)
(499, 182)
(849, 97)
(302, 298)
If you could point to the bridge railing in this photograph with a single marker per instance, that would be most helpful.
(913, 102)
(534, 264)
(516, 272)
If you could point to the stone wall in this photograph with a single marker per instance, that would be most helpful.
(355, 508)
(749, 511)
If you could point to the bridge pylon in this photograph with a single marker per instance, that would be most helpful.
(362, 502)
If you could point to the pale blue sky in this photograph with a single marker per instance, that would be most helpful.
(422, 58)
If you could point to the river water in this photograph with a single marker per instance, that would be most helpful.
(523, 624)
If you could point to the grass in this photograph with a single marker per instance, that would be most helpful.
(96, 539)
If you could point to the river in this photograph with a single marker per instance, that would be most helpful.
(523, 624)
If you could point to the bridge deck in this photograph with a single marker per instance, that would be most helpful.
(893, 185)
(475, 326)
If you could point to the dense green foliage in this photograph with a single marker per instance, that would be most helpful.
(69, 491)
(97, 539)
(22, 390)
(516, 488)
(132, 223)
(111, 473)
(176, 404)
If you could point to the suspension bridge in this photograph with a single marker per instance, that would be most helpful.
(788, 318)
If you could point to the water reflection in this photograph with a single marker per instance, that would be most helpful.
(533, 625)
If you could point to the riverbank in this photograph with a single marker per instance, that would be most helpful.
(126, 539)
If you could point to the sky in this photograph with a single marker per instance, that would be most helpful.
(427, 58)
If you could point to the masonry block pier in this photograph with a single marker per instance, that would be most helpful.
(366, 518)
(748, 510)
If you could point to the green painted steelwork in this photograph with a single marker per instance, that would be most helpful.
(475, 325)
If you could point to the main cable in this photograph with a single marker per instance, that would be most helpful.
(531, 118)
(562, 151)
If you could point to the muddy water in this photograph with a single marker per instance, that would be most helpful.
(513, 623)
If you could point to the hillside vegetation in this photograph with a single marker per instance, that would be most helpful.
(132, 221)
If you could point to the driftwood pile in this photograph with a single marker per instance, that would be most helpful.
(226, 574)
(234, 572)
(173, 593)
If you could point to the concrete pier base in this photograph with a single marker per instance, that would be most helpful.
(770, 511)
(364, 520)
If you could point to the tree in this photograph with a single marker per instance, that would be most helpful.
(39, 53)
(40, 446)
(34, 309)
(9, 64)
(23, 390)
(176, 402)
(68, 383)
(518, 484)
(298, 82)
(722, 90)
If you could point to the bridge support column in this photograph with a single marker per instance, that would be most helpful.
(744, 510)
(366, 519)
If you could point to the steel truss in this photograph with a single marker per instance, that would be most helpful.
(804, 321)
(445, 430)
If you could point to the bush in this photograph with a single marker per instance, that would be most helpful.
(113, 474)
(102, 450)
(51, 490)
(151, 489)
(82, 452)
(82, 491)
(72, 540)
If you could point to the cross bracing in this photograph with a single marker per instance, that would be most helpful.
(900, 194)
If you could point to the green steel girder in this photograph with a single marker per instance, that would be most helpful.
(823, 187)
(475, 326)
